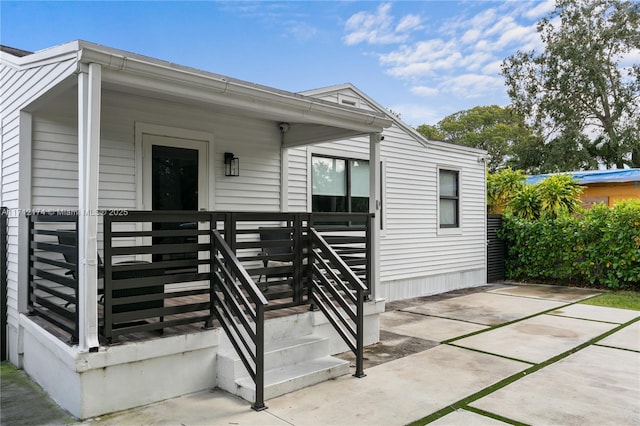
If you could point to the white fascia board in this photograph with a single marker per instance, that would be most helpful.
(448, 146)
(398, 122)
(43, 57)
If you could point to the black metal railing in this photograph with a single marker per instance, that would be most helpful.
(53, 271)
(4, 231)
(339, 293)
(239, 307)
(156, 271)
(349, 235)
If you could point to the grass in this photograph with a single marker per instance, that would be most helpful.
(617, 299)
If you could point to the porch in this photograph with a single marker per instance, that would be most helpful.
(165, 274)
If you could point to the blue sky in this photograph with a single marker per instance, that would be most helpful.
(424, 60)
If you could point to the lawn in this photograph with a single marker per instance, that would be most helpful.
(617, 299)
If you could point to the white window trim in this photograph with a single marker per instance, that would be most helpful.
(458, 229)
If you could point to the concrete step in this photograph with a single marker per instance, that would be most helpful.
(290, 378)
(290, 364)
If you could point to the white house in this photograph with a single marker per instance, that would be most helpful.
(432, 195)
(146, 200)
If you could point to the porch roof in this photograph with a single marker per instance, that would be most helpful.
(310, 120)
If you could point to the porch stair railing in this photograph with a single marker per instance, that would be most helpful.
(239, 306)
(338, 292)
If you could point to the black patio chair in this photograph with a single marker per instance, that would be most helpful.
(283, 251)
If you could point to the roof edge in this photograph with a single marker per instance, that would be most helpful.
(398, 121)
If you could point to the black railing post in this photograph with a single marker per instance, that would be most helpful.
(31, 236)
(213, 252)
(75, 338)
(360, 335)
(298, 256)
(230, 227)
(108, 275)
(259, 402)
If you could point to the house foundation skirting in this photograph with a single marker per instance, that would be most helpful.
(429, 285)
(127, 375)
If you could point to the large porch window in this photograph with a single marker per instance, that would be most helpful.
(340, 185)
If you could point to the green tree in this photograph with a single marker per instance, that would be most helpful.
(430, 132)
(553, 197)
(579, 93)
(502, 186)
(492, 128)
(559, 195)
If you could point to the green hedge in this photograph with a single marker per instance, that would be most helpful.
(598, 247)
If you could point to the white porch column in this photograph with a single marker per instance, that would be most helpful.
(375, 205)
(89, 88)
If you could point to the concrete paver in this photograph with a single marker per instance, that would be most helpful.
(397, 392)
(426, 327)
(599, 384)
(211, 408)
(24, 403)
(485, 308)
(595, 386)
(627, 338)
(536, 339)
(464, 417)
(597, 313)
(548, 292)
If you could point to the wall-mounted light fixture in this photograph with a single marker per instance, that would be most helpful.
(231, 164)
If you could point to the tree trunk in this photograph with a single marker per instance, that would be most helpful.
(635, 157)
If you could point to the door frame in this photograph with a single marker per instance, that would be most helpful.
(193, 139)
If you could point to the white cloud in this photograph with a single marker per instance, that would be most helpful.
(301, 31)
(493, 68)
(417, 114)
(543, 8)
(458, 60)
(423, 51)
(409, 23)
(377, 28)
(473, 85)
(630, 58)
(425, 91)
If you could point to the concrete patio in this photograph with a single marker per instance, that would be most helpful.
(495, 355)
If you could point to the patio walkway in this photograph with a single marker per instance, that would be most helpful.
(496, 355)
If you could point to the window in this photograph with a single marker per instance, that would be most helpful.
(449, 209)
(340, 185)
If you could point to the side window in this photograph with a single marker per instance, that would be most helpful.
(339, 185)
(449, 198)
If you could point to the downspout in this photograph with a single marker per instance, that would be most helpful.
(89, 102)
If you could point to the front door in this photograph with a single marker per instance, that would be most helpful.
(175, 173)
(175, 179)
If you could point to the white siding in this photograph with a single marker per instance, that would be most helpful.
(416, 257)
(255, 142)
(18, 88)
(297, 189)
